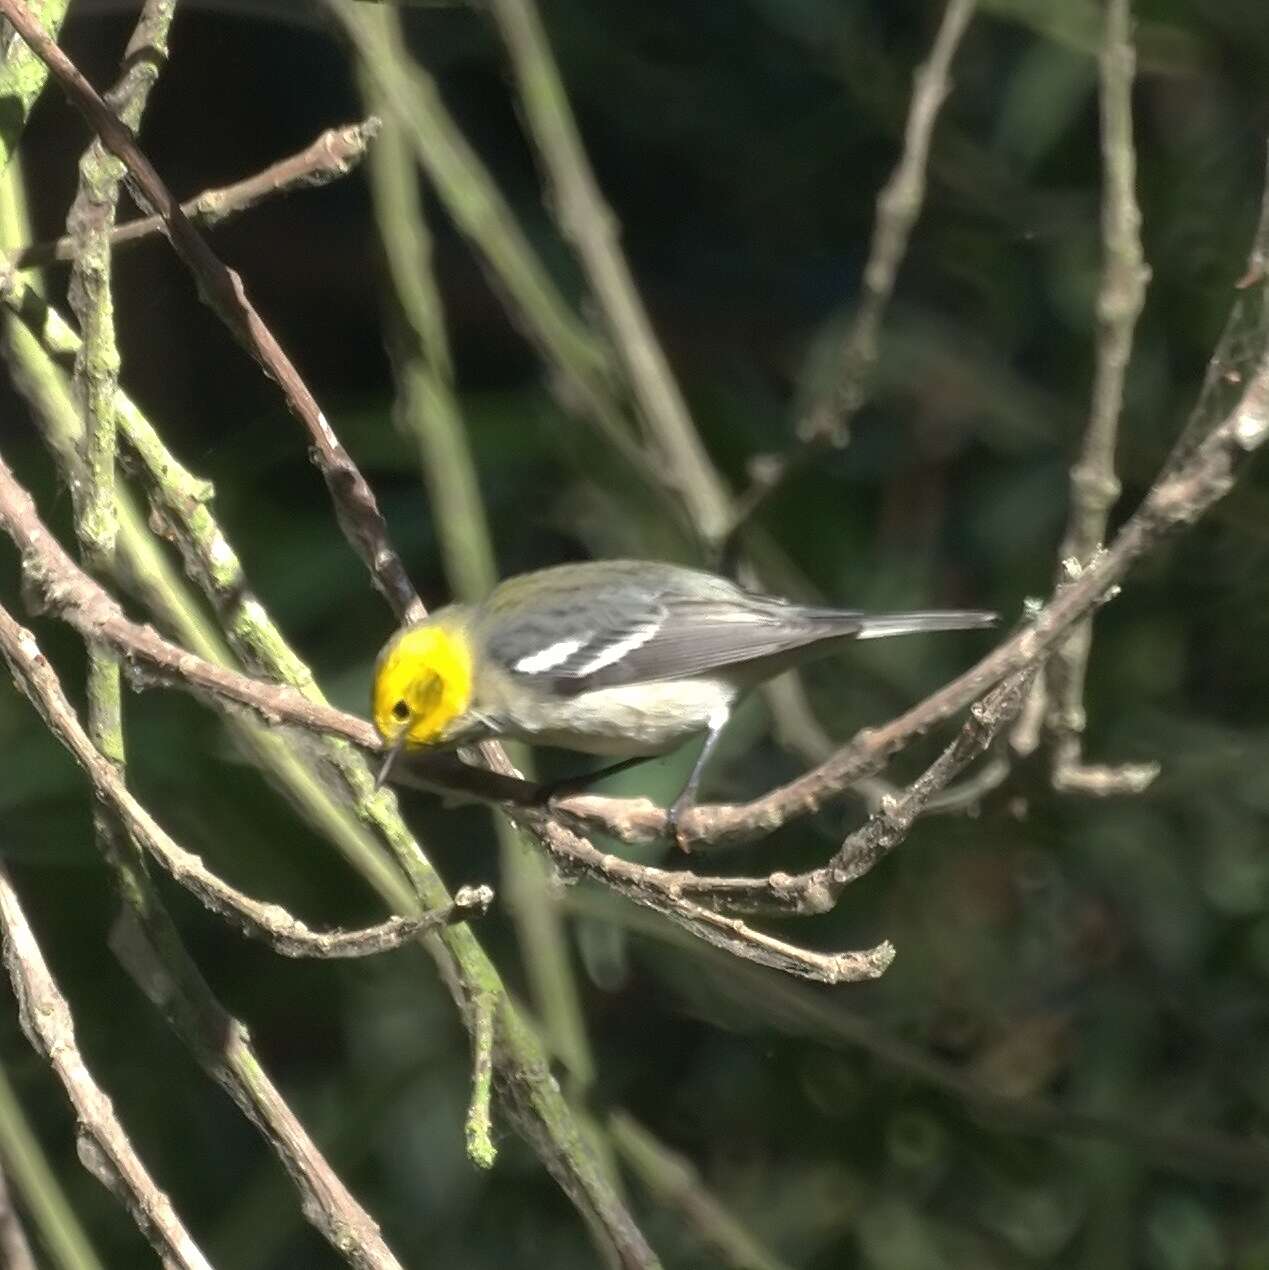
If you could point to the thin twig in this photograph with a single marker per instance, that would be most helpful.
(588, 222)
(333, 154)
(680, 893)
(222, 289)
(1176, 501)
(270, 923)
(68, 590)
(662, 891)
(795, 726)
(479, 1128)
(733, 935)
(1238, 350)
(104, 1147)
(826, 422)
(427, 409)
(890, 824)
(1094, 485)
(150, 949)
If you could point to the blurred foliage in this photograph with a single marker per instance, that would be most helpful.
(1111, 957)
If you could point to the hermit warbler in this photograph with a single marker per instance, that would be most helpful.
(626, 658)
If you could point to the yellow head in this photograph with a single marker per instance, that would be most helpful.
(423, 682)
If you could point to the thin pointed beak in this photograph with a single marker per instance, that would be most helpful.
(390, 761)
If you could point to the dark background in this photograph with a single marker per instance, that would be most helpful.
(1110, 957)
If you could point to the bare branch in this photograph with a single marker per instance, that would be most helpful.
(222, 289)
(94, 385)
(268, 922)
(679, 893)
(589, 224)
(1176, 501)
(664, 891)
(827, 421)
(1094, 485)
(149, 948)
(1239, 349)
(735, 936)
(104, 1146)
(74, 596)
(334, 154)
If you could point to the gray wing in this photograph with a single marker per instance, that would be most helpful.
(632, 631)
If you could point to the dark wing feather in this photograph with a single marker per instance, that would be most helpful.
(704, 635)
(639, 630)
(556, 638)
(574, 628)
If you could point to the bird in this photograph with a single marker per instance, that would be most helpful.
(622, 658)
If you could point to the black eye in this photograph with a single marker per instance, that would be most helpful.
(400, 712)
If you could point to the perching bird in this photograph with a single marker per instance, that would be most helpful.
(627, 658)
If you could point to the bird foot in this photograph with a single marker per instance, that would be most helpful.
(673, 826)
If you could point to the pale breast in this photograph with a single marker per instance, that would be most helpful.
(627, 720)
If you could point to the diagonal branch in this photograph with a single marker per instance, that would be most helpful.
(222, 289)
(104, 1146)
(729, 933)
(267, 922)
(826, 423)
(332, 155)
(1176, 501)
(588, 222)
(817, 890)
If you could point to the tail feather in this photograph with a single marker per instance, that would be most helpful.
(881, 625)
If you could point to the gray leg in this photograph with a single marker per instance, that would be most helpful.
(687, 799)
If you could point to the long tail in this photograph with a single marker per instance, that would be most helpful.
(880, 625)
